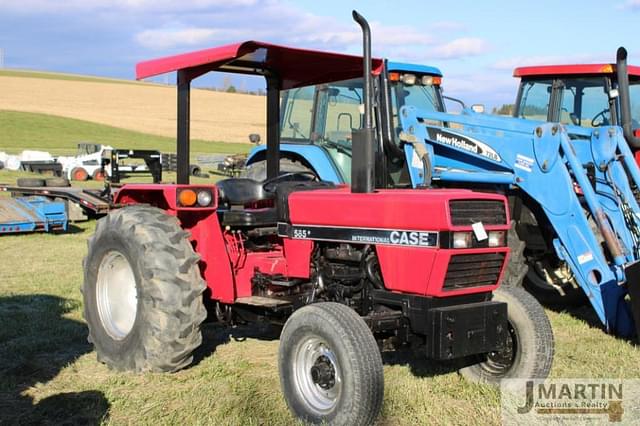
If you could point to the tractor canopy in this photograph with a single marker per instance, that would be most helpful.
(576, 69)
(292, 66)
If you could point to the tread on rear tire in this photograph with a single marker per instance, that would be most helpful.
(168, 306)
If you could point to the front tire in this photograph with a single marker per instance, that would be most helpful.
(143, 291)
(330, 366)
(530, 346)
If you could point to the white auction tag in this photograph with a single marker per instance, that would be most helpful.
(479, 231)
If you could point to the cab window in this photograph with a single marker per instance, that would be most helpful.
(534, 100)
(585, 102)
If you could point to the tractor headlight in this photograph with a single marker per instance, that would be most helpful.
(496, 238)
(409, 79)
(204, 198)
(462, 240)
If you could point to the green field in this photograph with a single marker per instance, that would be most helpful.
(59, 136)
(63, 76)
(49, 373)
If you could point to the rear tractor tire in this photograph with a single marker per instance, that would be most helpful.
(530, 346)
(330, 366)
(143, 291)
(58, 182)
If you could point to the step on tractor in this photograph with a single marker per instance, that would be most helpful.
(584, 95)
(341, 268)
(574, 217)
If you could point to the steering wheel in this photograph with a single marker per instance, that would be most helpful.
(268, 184)
(603, 122)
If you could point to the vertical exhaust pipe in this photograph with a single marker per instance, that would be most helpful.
(625, 98)
(363, 140)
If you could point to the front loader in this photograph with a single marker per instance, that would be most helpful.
(573, 200)
(341, 268)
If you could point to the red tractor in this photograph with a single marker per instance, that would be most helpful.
(340, 268)
(585, 95)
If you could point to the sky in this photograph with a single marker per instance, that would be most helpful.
(476, 44)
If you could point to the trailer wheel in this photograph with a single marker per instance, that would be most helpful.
(258, 170)
(330, 366)
(530, 347)
(143, 291)
(79, 174)
(30, 182)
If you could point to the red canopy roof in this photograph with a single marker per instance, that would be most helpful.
(294, 67)
(579, 69)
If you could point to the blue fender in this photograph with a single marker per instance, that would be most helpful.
(318, 158)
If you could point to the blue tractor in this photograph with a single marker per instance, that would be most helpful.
(575, 220)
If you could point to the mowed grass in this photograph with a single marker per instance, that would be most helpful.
(49, 373)
(60, 135)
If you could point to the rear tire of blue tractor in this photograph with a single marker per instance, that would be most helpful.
(530, 346)
(330, 366)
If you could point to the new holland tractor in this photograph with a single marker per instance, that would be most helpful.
(341, 268)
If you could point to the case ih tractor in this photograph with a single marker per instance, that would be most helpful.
(585, 95)
(341, 268)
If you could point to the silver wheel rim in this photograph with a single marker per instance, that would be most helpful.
(320, 392)
(116, 295)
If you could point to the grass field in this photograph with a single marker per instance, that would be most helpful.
(147, 108)
(49, 373)
(59, 135)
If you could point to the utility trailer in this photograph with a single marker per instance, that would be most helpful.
(80, 204)
(31, 214)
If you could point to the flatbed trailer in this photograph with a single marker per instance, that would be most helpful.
(81, 204)
(31, 214)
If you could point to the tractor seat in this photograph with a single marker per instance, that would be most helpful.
(235, 194)
(241, 191)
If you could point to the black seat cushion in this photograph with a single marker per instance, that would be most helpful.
(241, 191)
(284, 189)
(250, 217)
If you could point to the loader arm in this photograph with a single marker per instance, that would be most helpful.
(575, 182)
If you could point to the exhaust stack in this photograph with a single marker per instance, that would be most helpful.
(625, 100)
(363, 140)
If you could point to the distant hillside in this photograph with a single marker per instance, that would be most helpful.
(60, 136)
(142, 107)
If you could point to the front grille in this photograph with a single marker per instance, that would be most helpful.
(467, 212)
(473, 270)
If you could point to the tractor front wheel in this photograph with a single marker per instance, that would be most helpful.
(142, 291)
(529, 348)
(330, 366)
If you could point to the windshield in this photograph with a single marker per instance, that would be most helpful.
(324, 115)
(423, 97)
(583, 101)
(534, 101)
